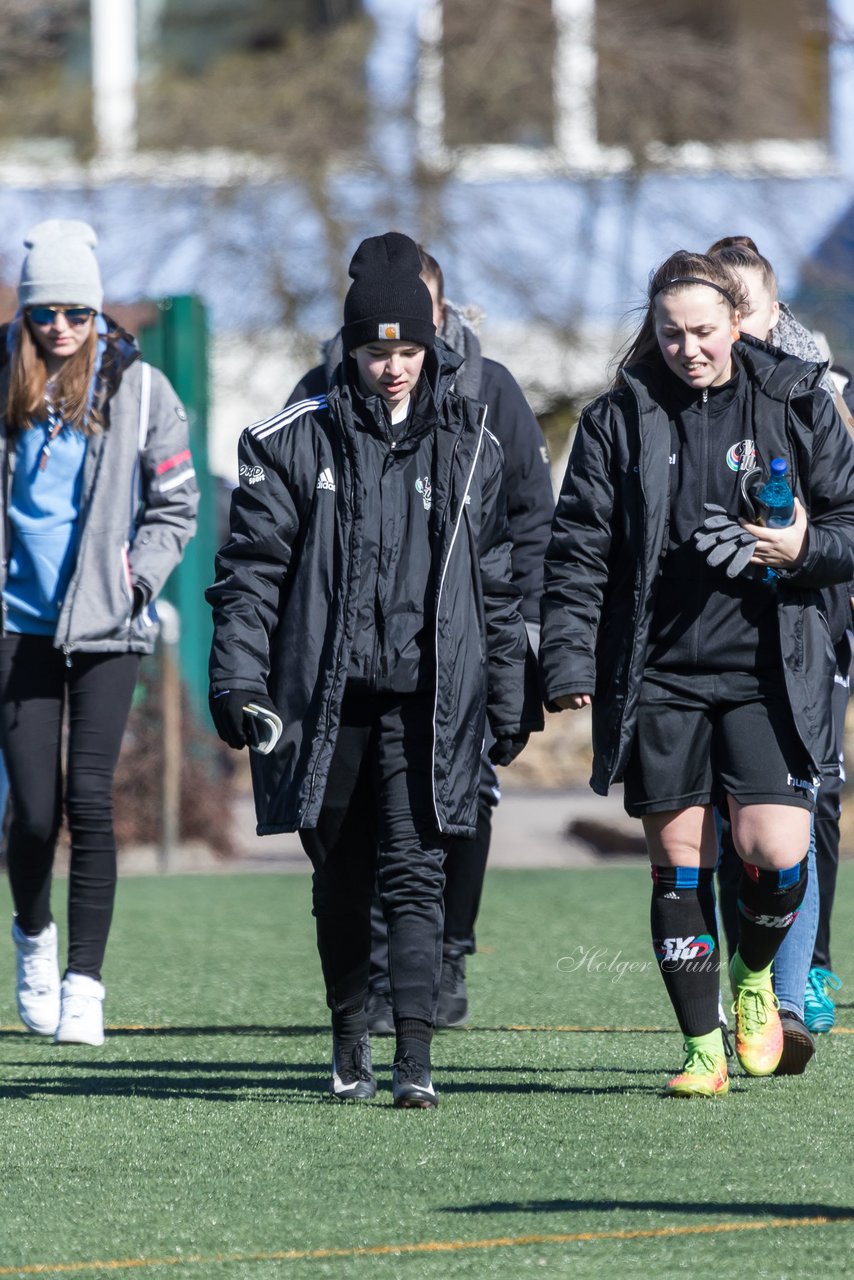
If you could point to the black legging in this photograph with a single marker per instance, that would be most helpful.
(35, 683)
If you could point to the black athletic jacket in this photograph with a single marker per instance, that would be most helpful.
(286, 595)
(610, 533)
(527, 472)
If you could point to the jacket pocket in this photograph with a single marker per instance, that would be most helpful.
(103, 596)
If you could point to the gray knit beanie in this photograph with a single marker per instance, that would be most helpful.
(60, 266)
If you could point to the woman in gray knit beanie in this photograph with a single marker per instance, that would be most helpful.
(59, 293)
(99, 502)
(61, 265)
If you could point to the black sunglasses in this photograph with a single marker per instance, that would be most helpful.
(47, 315)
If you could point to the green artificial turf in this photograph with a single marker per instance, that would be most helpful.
(201, 1130)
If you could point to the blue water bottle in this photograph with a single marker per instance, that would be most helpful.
(775, 501)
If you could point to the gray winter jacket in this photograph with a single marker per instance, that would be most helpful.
(138, 506)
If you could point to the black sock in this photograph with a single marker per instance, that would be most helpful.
(768, 903)
(685, 941)
(414, 1038)
(349, 1025)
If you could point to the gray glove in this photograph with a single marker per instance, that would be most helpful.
(723, 541)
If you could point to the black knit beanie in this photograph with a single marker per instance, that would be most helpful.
(387, 300)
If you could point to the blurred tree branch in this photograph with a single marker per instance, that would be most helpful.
(32, 31)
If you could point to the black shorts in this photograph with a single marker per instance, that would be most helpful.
(703, 736)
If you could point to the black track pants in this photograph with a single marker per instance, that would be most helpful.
(377, 822)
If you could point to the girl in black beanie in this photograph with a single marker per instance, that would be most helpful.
(364, 601)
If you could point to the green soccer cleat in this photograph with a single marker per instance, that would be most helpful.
(758, 1030)
(704, 1075)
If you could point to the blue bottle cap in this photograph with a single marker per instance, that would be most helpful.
(778, 466)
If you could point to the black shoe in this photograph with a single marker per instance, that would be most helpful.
(378, 1009)
(452, 1009)
(411, 1085)
(798, 1045)
(352, 1077)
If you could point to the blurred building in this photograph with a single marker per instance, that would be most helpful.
(548, 152)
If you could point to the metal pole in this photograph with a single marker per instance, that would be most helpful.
(172, 754)
(114, 75)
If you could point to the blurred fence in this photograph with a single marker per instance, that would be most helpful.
(177, 343)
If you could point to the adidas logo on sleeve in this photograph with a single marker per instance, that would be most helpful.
(326, 480)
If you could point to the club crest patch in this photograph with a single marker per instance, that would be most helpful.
(741, 456)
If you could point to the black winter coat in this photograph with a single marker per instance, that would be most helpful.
(527, 472)
(286, 589)
(609, 535)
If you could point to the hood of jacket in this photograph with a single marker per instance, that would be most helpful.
(458, 334)
(437, 378)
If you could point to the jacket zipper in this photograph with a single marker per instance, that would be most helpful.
(791, 447)
(459, 520)
(641, 590)
(337, 669)
(793, 459)
(8, 479)
(704, 493)
(74, 584)
(373, 671)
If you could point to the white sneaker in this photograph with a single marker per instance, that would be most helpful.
(81, 1018)
(37, 978)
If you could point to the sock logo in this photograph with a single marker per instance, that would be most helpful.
(766, 921)
(670, 950)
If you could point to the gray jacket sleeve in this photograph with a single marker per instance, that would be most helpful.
(169, 493)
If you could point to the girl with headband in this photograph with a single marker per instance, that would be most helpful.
(699, 635)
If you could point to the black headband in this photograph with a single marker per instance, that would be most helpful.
(710, 284)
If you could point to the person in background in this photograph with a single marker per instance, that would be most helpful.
(99, 502)
(803, 977)
(364, 599)
(709, 678)
(530, 506)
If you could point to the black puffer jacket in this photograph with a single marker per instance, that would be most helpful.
(610, 533)
(527, 470)
(286, 592)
